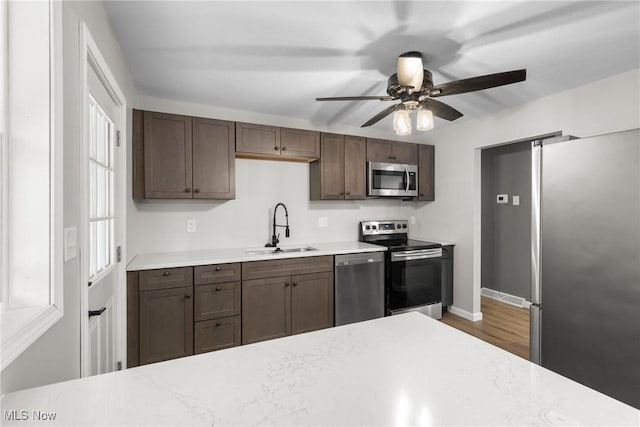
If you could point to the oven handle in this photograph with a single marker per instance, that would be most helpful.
(416, 255)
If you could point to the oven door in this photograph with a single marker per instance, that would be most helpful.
(392, 179)
(414, 279)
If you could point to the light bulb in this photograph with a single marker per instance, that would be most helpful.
(424, 121)
(402, 122)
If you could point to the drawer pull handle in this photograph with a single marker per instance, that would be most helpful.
(218, 268)
(187, 296)
(218, 288)
(97, 312)
(165, 274)
(218, 323)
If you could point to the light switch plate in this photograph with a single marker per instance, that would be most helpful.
(191, 226)
(515, 200)
(412, 220)
(502, 199)
(323, 222)
(70, 243)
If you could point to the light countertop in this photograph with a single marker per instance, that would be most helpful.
(222, 256)
(400, 370)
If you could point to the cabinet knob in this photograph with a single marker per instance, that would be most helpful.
(286, 284)
(276, 148)
(284, 148)
(295, 283)
(218, 268)
(187, 296)
(348, 193)
(218, 288)
(421, 194)
(197, 190)
(187, 190)
(218, 323)
(165, 274)
(342, 193)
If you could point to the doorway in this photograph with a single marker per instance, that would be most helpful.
(102, 189)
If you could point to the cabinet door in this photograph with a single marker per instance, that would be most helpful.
(167, 156)
(166, 324)
(299, 143)
(257, 139)
(379, 150)
(404, 152)
(311, 302)
(217, 334)
(426, 176)
(214, 175)
(331, 167)
(355, 168)
(266, 309)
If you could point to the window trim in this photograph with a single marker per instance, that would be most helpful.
(22, 327)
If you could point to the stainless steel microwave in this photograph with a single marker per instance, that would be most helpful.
(392, 179)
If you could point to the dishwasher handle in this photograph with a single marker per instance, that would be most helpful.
(358, 261)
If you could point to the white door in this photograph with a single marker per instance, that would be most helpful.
(100, 328)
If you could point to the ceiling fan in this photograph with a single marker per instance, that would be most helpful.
(413, 86)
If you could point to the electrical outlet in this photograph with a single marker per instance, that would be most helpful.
(191, 226)
(323, 222)
(412, 220)
(515, 200)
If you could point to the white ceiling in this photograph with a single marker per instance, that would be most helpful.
(275, 57)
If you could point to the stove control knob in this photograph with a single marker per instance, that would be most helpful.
(374, 227)
(368, 227)
(404, 225)
(398, 226)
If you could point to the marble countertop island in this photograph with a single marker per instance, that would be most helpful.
(401, 370)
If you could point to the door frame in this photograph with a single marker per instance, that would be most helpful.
(90, 56)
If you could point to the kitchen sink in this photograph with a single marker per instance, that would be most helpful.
(275, 251)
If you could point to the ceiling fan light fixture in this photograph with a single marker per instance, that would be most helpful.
(424, 120)
(410, 70)
(402, 122)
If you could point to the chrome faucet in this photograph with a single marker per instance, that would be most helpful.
(275, 239)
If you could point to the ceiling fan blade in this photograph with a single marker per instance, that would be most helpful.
(382, 114)
(442, 110)
(478, 83)
(357, 98)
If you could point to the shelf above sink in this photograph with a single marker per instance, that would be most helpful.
(276, 251)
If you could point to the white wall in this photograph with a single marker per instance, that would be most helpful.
(55, 356)
(605, 106)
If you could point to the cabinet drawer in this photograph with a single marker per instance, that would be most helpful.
(217, 300)
(221, 273)
(211, 335)
(286, 267)
(167, 278)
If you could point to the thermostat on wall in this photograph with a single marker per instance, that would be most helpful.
(503, 198)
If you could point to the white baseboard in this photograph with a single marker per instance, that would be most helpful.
(505, 297)
(474, 317)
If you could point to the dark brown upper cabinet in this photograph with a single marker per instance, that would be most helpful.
(340, 172)
(381, 150)
(426, 175)
(274, 143)
(182, 157)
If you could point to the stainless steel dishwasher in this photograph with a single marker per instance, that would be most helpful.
(359, 287)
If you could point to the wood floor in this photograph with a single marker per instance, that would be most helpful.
(503, 325)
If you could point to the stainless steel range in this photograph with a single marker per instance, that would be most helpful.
(413, 268)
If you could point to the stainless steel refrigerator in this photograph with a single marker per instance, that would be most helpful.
(585, 313)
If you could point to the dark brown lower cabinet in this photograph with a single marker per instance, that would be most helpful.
(279, 306)
(216, 334)
(266, 309)
(166, 324)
